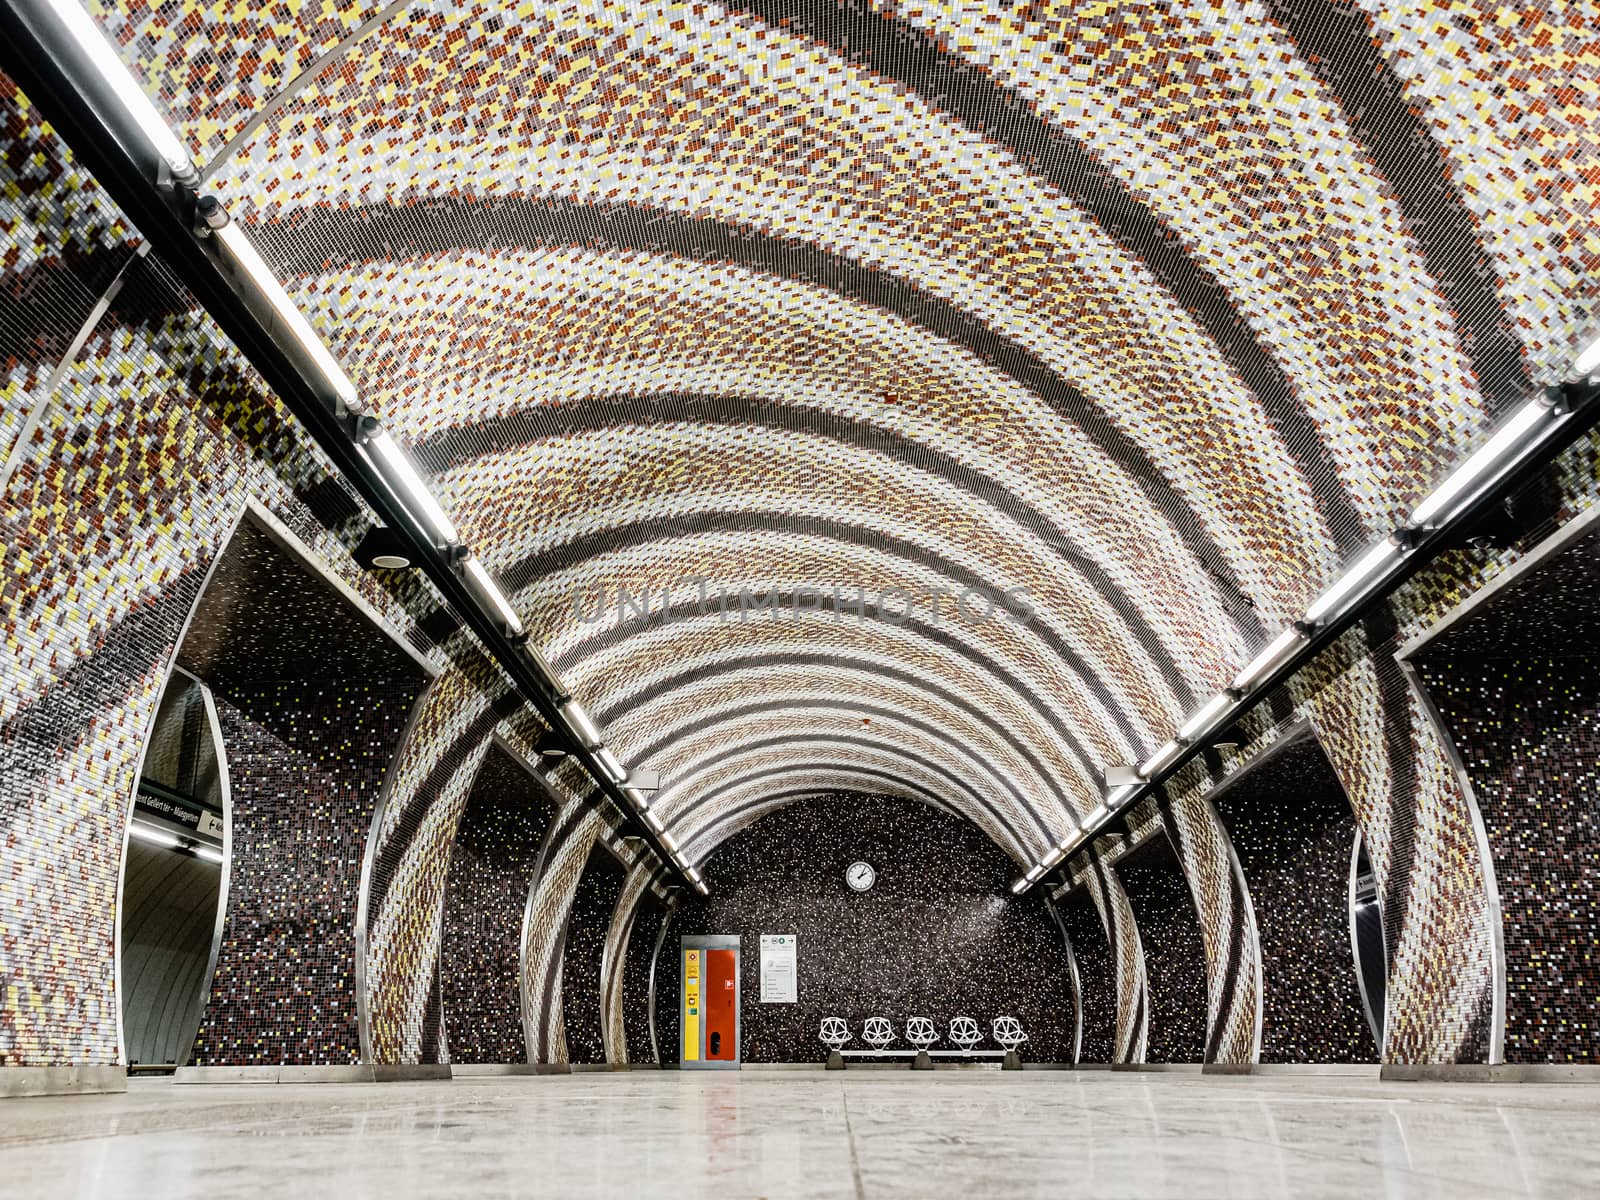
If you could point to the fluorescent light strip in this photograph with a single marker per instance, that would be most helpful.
(480, 576)
(1449, 495)
(1361, 572)
(634, 794)
(1118, 795)
(579, 722)
(691, 874)
(1588, 361)
(652, 820)
(1207, 716)
(1264, 663)
(245, 254)
(670, 842)
(1033, 874)
(1019, 886)
(1159, 760)
(153, 836)
(402, 475)
(610, 765)
(120, 80)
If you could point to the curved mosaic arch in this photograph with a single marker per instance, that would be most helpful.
(1241, 295)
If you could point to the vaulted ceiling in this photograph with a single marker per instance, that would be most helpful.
(1157, 312)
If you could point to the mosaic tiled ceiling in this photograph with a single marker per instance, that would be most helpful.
(1096, 335)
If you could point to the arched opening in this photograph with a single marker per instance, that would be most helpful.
(1292, 827)
(1513, 680)
(174, 879)
(934, 932)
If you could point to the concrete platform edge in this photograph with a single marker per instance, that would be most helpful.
(18, 1082)
(1491, 1073)
(288, 1073)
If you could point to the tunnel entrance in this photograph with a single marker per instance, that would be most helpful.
(287, 704)
(173, 879)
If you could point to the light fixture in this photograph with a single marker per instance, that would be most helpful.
(1118, 795)
(578, 721)
(1372, 563)
(640, 801)
(1452, 494)
(1158, 761)
(480, 576)
(702, 889)
(153, 835)
(1122, 775)
(670, 842)
(691, 874)
(120, 80)
(610, 765)
(652, 820)
(1055, 855)
(1019, 886)
(209, 853)
(398, 471)
(243, 252)
(1264, 663)
(1588, 361)
(1208, 714)
(1033, 874)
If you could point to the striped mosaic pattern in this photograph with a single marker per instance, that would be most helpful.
(1127, 959)
(1227, 930)
(1163, 374)
(1154, 313)
(613, 962)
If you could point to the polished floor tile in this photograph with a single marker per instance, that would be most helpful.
(812, 1135)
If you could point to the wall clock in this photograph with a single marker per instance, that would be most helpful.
(860, 876)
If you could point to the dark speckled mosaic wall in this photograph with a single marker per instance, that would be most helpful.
(1098, 981)
(1518, 686)
(636, 978)
(1174, 953)
(938, 935)
(492, 866)
(1293, 832)
(313, 701)
(592, 907)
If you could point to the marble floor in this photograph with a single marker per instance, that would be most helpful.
(812, 1135)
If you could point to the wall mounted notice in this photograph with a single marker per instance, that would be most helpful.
(778, 985)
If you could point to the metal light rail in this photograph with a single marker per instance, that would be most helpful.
(61, 60)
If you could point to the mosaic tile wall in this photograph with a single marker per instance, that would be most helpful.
(1227, 929)
(938, 935)
(1292, 829)
(1174, 953)
(1060, 305)
(894, 319)
(640, 972)
(492, 865)
(145, 448)
(312, 701)
(1127, 963)
(1097, 982)
(571, 841)
(583, 953)
(1518, 685)
(615, 964)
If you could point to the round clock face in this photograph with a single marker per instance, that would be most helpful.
(860, 876)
